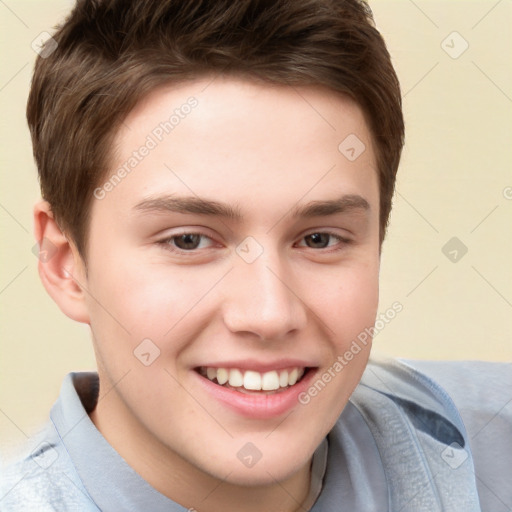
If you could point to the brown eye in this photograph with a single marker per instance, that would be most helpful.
(187, 241)
(318, 240)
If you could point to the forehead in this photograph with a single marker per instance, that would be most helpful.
(244, 141)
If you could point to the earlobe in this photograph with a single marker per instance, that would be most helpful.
(60, 267)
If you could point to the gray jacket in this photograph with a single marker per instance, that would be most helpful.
(416, 436)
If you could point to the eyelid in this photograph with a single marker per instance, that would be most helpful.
(329, 231)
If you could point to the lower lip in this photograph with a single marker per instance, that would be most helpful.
(257, 406)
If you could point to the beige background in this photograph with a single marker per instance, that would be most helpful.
(455, 181)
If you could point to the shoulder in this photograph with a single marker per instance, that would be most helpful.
(43, 478)
(476, 392)
(392, 388)
(482, 393)
(475, 386)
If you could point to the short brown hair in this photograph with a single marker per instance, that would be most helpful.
(111, 53)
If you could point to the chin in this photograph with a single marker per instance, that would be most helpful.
(261, 476)
(274, 465)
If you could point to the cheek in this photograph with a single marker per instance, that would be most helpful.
(350, 312)
(143, 298)
(349, 302)
(135, 300)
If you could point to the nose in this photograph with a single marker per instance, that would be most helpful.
(264, 299)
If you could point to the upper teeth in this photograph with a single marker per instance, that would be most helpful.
(252, 380)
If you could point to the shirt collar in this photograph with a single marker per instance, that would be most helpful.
(110, 482)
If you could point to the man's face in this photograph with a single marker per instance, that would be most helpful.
(270, 283)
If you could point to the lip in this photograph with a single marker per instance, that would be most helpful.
(259, 366)
(254, 405)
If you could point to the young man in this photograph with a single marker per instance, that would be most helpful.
(217, 179)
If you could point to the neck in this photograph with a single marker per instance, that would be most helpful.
(186, 484)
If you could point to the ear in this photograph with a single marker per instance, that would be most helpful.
(60, 266)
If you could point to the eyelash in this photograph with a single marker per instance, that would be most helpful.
(166, 242)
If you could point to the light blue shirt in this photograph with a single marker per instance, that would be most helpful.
(416, 436)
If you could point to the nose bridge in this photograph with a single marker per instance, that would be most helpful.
(261, 299)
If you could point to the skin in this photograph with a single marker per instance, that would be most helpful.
(263, 150)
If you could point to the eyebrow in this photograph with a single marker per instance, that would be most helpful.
(344, 204)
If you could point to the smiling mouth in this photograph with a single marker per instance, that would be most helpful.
(250, 381)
